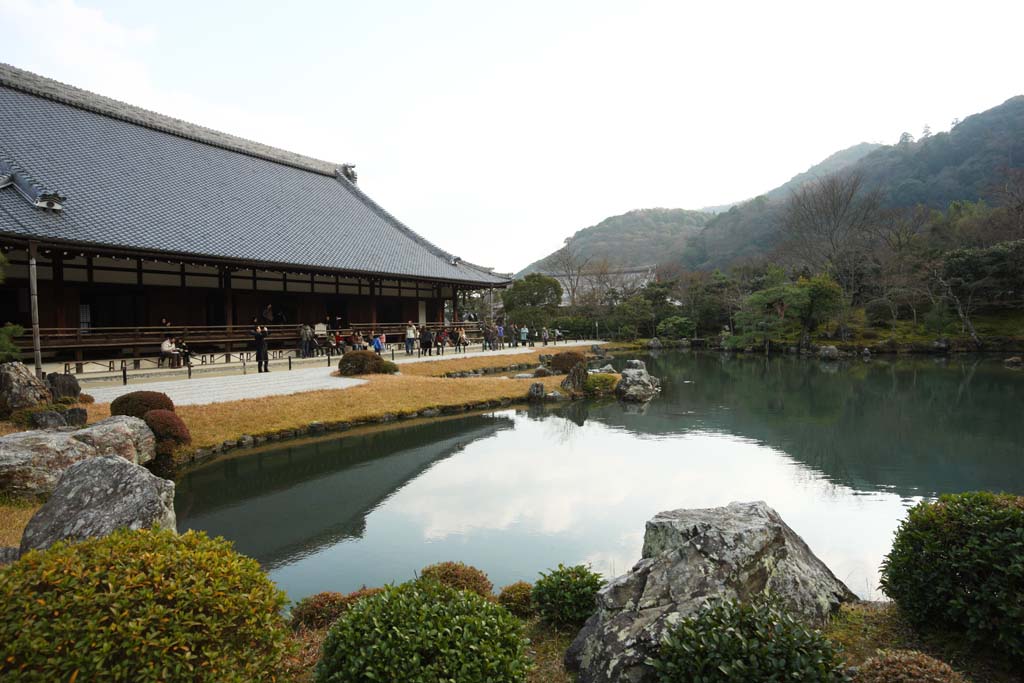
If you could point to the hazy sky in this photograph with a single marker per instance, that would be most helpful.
(498, 129)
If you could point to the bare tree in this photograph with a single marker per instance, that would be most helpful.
(569, 267)
(1009, 193)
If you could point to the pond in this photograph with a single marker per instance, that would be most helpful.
(840, 450)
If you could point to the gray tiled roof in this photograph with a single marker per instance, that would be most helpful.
(138, 180)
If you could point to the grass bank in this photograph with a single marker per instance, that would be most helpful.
(14, 515)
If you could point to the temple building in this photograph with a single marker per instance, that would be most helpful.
(128, 218)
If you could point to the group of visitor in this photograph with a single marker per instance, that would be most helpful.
(430, 341)
(175, 352)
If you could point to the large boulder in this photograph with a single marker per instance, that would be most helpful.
(654, 344)
(32, 462)
(636, 385)
(828, 353)
(536, 394)
(63, 385)
(598, 350)
(690, 557)
(98, 496)
(576, 380)
(20, 388)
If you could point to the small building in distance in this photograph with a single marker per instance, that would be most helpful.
(134, 217)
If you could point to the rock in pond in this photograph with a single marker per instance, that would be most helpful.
(636, 384)
(536, 393)
(32, 462)
(1013, 362)
(828, 353)
(576, 380)
(20, 388)
(98, 496)
(690, 557)
(654, 344)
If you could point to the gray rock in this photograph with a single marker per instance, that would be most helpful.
(607, 369)
(97, 496)
(47, 419)
(542, 372)
(1013, 362)
(536, 393)
(545, 358)
(63, 385)
(8, 555)
(636, 385)
(690, 556)
(76, 417)
(828, 353)
(556, 396)
(246, 441)
(941, 345)
(654, 343)
(866, 353)
(20, 388)
(598, 351)
(32, 462)
(575, 381)
(524, 375)
(430, 412)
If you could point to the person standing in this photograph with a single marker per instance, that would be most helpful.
(306, 337)
(524, 334)
(259, 338)
(544, 335)
(410, 338)
(426, 341)
(377, 344)
(501, 335)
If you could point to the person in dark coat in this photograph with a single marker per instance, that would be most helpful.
(426, 341)
(259, 337)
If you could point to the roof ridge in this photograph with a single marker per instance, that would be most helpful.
(48, 88)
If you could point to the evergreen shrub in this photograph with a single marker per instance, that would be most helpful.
(323, 609)
(958, 563)
(23, 416)
(906, 666)
(140, 606)
(566, 360)
(423, 631)
(459, 576)
(677, 327)
(734, 642)
(138, 403)
(365, 363)
(517, 598)
(567, 596)
(600, 384)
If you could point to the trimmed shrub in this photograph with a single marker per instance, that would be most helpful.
(23, 417)
(517, 598)
(169, 429)
(365, 363)
(677, 327)
(958, 563)
(86, 399)
(423, 631)
(906, 666)
(878, 314)
(138, 403)
(730, 641)
(568, 595)
(566, 360)
(600, 384)
(140, 606)
(459, 576)
(323, 609)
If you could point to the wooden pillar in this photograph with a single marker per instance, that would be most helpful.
(33, 288)
(455, 305)
(373, 303)
(58, 291)
(229, 308)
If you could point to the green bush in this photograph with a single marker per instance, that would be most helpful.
(958, 564)
(566, 360)
(568, 595)
(677, 327)
(323, 609)
(459, 576)
(517, 598)
(600, 384)
(23, 417)
(423, 631)
(365, 363)
(140, 606)
(138, 403)
(9, 351)
(906, 666)
(878, 314)
(730, 642)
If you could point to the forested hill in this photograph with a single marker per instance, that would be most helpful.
(963, 164)
(639, 238)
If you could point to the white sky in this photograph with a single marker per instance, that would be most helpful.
(498, 129)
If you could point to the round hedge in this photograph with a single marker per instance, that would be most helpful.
(365, 363)
(140, 606)
(423, 631)
(906, 666)
(459, 576)
(323, 609)
(958, 564)
(169, 429)
(567, 596)
(731, 641)
(138, 403)
(566, 360)
(517, 598)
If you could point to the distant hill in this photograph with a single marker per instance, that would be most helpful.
(935, 171)
(636, 239)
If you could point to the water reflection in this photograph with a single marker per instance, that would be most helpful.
(839, 452)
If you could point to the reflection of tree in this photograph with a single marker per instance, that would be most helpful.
(914, 425)
(280, 504)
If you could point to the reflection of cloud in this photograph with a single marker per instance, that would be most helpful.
(596, 491)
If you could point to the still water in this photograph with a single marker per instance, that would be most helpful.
(839, 450)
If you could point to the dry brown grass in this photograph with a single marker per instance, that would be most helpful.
(14, 515)
(457, 364)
